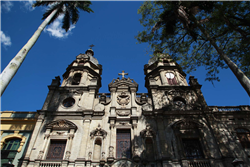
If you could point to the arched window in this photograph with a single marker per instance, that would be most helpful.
(97, 149)
(81, 63)
(149, 149)
(12, 144)
(166, 63)
(76, 79)
(244, 137)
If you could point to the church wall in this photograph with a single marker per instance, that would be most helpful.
(169, 126)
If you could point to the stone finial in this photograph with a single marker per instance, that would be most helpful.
(56, 81)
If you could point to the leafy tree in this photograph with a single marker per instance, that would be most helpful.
(211, 34)
(56, 8)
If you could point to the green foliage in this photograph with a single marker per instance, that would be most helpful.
(68, 8)
(168, 27)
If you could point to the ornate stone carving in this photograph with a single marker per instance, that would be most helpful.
(147, 107)
(187, 124)
(176, 93)
(99, 107)
(61, 125)
(111, 151)
(123, 99)
(98, 132)
(59, 133)
(40, 155)
(160, 99)
(124, 163)
(103, 155)
(123, 112)
(90, 154)
(148, 132)
(67, 155)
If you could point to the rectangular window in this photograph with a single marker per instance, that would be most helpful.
(192, 148)
(56, 149)
(123, 144)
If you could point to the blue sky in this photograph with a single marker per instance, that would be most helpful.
(111, 28)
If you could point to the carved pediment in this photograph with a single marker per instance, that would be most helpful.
(61, 124)
(98, 132)
(123, 82)
(148, 132)
(187, 124)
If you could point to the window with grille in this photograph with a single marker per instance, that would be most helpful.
(123, 144)
(192, 148)
(56, 149)
(244, 137)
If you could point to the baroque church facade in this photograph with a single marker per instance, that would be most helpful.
(169, 126)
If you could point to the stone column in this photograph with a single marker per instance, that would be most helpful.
(84, 144)
(46, 138)
(113, 101)
(82, 155)
(112, 143)
(133, 105)
(163, 77)
(34, 136)
(162, 138)
(70, 138)
(68, 81)
(84, 77)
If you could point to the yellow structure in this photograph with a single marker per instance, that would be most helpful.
(16, 130)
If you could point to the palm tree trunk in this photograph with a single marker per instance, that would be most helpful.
(11, 69)
(242, 78)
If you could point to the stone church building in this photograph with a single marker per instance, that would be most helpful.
(169, 126)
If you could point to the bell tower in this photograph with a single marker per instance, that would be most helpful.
(81, 82)
(167, 84)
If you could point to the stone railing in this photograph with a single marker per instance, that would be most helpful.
(196, 163)
(229, 108)
(50, 164)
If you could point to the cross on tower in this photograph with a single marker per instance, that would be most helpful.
(91, 46)
(122, 74)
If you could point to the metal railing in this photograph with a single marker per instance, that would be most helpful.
(199, 163)
(230, 108)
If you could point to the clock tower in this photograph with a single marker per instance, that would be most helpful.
(166, 83)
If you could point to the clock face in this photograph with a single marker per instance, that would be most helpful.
(169, 75)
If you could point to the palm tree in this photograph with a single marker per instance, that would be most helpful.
(185, 17)
(71, 15)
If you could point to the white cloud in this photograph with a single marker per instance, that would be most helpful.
(6, 5)
(28, 5)
(5, 40)
(55, 29)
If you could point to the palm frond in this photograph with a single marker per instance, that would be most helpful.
(59, 7)
(66, 20)
(44, 3)
(74, 13)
